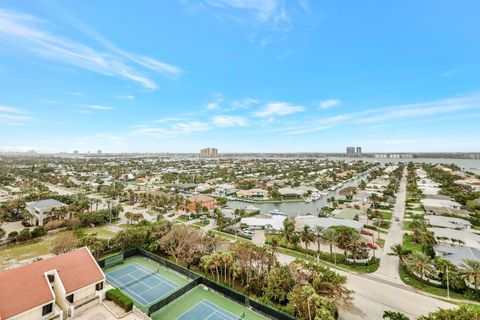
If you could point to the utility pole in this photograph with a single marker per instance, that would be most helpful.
(448, 285)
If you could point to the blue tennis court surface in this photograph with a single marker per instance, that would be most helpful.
(140, 283)
(207, 310)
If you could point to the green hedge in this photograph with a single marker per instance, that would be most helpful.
(120, 299)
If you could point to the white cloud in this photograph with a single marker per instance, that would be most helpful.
(11, 116)
(172, 130)
(264, 10)
(98, 107)
(389, 116)
(28, 33)
(126, 97)
(215, 104)
(327, 104)
(229, 121)
(243, 103)
(279, 109)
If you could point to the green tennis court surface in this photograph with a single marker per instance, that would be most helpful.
(209, 310)
(144, 280)
(140, 283)
(201, 304)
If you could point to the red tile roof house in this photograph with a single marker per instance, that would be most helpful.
(202, 200)
(54, 288)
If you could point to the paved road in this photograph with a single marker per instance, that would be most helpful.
(372, 296)
(389, 264)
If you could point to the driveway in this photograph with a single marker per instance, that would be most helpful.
(388, 268)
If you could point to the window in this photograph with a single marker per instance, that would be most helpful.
(70, 298)
(99, 286)
(47, 309)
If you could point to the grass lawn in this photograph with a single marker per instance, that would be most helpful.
(380, 242)
(387, 215)
(428, 288)
(225, 235)
(409, 244)
(406, 225)
(418, 209)
(303, 256)
(25, 250)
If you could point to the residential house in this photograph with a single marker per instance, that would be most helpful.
(291, 192)
(313, 221)
(225, 189)
(56, 288)
(456, 255)
(201, 200)
(265, 221)
(253, 193)
(448, 222)
(469, 239)
(439, 203)
(42, 211)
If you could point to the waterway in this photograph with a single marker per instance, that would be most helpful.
(297, 208)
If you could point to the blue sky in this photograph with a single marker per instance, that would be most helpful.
(240, 75)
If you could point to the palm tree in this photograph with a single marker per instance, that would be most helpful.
(420, 264)
(399, 251)
(318, 235)
(354, 245)
(307, 236)
(470, 270)
(393, 315)
(288, 230)
(330, 237)
(274, 247)
(295, 239)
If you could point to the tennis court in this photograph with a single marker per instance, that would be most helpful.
(209, 310)
(143, 285)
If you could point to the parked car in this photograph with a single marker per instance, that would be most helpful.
(372, 245)
(367, 232)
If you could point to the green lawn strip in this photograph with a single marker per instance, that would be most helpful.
(380, 242)
(409, 244)
(417, 284)
(346, 267)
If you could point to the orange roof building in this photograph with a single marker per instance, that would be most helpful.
(43, 289)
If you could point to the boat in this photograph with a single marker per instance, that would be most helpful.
(316, 196)
(276, 212)
(251, 208)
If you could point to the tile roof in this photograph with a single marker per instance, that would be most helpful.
(26, 287)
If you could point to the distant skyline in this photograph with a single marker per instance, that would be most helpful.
(239, 75)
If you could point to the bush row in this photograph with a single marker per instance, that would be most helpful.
(120, 299)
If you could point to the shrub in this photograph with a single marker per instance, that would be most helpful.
(120, 299)
(2, 233)
(52, 225)
(38, 232)
(13, 234)
(24, 235)
(73, 224)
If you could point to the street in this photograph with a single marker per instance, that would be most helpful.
(388, 268)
